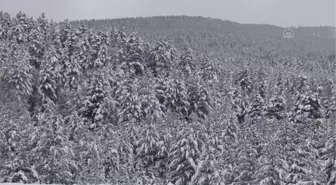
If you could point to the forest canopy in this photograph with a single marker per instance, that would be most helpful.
(181, 100)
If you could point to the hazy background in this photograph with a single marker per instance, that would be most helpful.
(283, 13)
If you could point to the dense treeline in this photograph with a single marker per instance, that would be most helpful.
(217, 35)
(94, 105)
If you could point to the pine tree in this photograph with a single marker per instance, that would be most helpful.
(231, 130)
(269, 166)
(276, 106)
(183, 157)
(51, 151)
(208, 70)
(328, 161)
(246, 163)
(199, 99)
(173, 95)
(299, 165)
(132, 55)
(11, 170)
(89, 155)
(16, 71)
(65, 32)
(244, 81)
(21, 27)
(307, 105)
(162, 59)
(152, 151)
(205, 170)
(239, 105)
(187, 64)
(151, 109)
(330, 101)
(256, 109)
(6, 25)
(93, 101)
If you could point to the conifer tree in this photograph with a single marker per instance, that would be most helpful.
(256, 109)
(208, 70)
(162, 59)
(326, 154)
(133, 55)
(187, 63)
(173, 95)
(276, 106)
(239, 105)
(183, 157)
(15, 70)
(307, 105)
(51, 151)
(6, 26)
(198, 98)
(330, 102)
(244, 81)
(93, 101)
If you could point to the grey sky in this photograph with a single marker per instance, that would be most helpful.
(277, 12)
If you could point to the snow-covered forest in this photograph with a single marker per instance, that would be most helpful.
(180, 100)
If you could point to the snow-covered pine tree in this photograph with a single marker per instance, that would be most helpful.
(297, 162)
(244, 81)
(198, 98)
(13, 166)
(208, 70)
(15, 70)
(50, 150)
(269, 167)
(37, 47)
(246, 163)
(318, 143)
(21, 27)
(187, 63)
(65, 32)
(212, 151)
(93, 98)
(183, 156)
(276, 106)
(65, 57)
(151, 151)
(256, 109)
(239, 105)
(231, 129)
(5, 26)
(89, 149)
(301, 165)
(98, 50)
(162, 59)
(173, 95)
(327, 159)
(330, 101)
(307, 104)
(126, 96)
(132, 55)
(151, 109)
(267, 173)
(136, 100)
(49, 80)
(43, 25)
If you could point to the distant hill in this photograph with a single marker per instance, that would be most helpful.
(167, 23)
(215, 35)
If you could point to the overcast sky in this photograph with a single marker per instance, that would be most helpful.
(277, 12)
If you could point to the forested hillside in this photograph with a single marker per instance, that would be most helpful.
(207, 33)
(186, 101)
